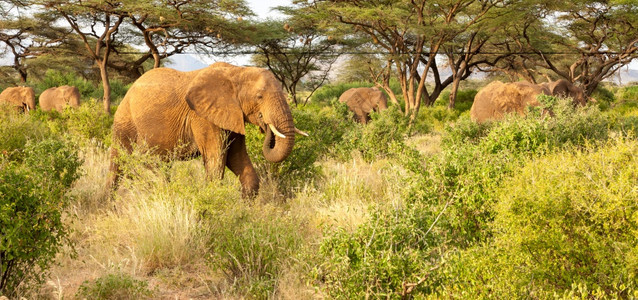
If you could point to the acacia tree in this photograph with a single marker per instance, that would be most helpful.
(26, 36)
(97, 23)
(294, 50)
(412, 34)
(582, 41)
(173, 27)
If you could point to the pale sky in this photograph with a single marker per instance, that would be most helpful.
(262, 8)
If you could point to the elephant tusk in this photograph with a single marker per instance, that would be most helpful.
(276, 132)
(28, 109)
(300, 132)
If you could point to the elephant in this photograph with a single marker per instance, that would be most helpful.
(22, 97)
(59, 97)
(361, 101)
(203, 113)
(498, 98)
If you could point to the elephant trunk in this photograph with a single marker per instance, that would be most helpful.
(30, 102)
(280, 136)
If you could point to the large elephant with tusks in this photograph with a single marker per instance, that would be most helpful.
(203, 112)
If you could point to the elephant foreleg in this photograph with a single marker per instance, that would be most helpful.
(212, 143)
(239, 163)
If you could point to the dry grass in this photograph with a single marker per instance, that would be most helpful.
(152, 227)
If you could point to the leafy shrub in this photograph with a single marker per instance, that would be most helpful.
(118, 91)
(32, 197)
(604, 97)
(559, 231)
(327, 93)
(464, 99)
(90, 122)
(325, 125)
(375, 139)
(55, 78)
(115, 286)
(534, 133)
(387, 257)
(629, 93)
(251, 249)
(17, 130)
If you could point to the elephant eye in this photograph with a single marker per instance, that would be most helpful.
(260, 115)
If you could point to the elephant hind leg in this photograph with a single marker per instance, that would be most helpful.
(239, 163)
(114, 171)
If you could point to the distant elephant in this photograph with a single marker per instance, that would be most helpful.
(22, 97)
(59, 97)
(361, 101)
(184, 114)
(498, 98)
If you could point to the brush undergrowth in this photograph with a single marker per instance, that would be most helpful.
(355, 211)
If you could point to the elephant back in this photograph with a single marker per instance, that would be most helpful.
(498, 98)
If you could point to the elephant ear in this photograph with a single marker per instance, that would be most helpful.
(560, 88)
(213, 97)
(366, 101)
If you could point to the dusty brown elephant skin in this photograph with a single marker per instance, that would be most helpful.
(362, 101)
(203, 112)
(59, 97)
(23, 98)
(498, 98)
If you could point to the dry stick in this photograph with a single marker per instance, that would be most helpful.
(442, 211)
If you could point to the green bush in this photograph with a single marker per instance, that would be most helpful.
(32, 197)
(604, 97)
(55, 78)
(36, 169)
(464, 99)
(17, 130)
(86, 124)
(90, 122)
(118, 91)
(629, 93)
(376, 139)
(567, 231)
(115, 286)
(325, 125)
(328, 92)
(382, 259)
(251, 249)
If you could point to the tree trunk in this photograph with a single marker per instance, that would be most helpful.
(157, 59)
(453, 92)
(107, 87)
(23, 75)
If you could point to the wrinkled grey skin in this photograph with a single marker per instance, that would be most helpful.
(362, 101)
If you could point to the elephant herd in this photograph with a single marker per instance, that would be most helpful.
(203, 113)
(23, 98)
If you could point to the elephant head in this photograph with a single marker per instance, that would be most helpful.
(23, 97)
(565, 88)
(362, 101)
(227, 96)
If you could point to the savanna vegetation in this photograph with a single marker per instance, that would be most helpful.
(419, 203)
(445, 207)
